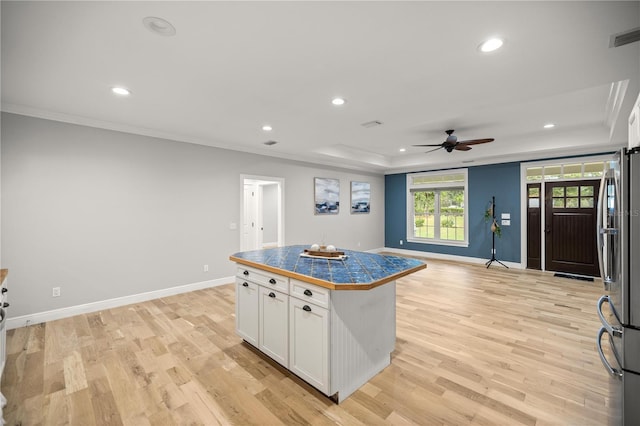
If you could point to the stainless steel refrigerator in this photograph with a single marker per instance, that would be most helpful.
(619, 255)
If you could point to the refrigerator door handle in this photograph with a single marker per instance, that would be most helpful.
(613, 330)
(599, 235)
(612, 371)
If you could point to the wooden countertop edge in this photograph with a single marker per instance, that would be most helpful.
(327, 284)
(3, 275)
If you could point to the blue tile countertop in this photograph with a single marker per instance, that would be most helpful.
(357, 271)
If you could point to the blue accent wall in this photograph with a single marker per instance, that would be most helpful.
(499, 180)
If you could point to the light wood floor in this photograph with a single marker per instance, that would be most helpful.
(474, 346)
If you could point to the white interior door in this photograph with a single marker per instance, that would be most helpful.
(262, 212)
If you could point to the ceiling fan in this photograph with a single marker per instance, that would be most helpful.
(452, 143)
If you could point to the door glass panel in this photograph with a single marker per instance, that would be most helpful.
(534, 192)
(586, 191)
(534, 203)
(558, 191)
(586, 203)
(558, 203)
(572, 191)
(572, 203)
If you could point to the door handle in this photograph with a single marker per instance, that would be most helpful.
(612, 371)
(547, 230)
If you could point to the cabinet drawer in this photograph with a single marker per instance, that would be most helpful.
(310, 293)
(267, 279)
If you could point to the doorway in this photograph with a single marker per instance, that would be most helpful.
(262, 212)
(570, 227)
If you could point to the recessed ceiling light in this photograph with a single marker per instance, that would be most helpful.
(491, 45)
(403, 149)
(549, 126)
(338, 101)
(159, 26)
(121, 91)
(267, 128)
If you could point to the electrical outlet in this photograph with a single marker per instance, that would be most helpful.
(401, 242)
(205, 268)
(56, 292)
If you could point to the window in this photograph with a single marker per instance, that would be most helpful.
(565, 171)
(436, 207)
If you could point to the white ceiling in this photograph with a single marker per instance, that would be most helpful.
(415, 66)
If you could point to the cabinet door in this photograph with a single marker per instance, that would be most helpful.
(247, 311)
(309, 345)
(274, 325)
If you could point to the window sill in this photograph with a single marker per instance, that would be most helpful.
(438, 242)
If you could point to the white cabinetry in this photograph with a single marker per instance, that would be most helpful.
(274, 321)
(335, 340)
(309, 343)
(247, 319)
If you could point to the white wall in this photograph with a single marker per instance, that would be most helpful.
(104, 214)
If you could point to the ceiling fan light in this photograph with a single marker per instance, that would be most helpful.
(491, 45)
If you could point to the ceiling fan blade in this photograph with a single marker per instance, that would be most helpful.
(437, 144)
(431, 150)
(462, 147)
(476, 141)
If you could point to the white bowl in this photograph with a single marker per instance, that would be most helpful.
(315, 247)
(331, 248)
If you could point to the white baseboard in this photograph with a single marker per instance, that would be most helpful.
(55, 314)
(442, 256)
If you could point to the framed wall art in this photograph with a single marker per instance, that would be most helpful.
(360, 197)
(327, 196)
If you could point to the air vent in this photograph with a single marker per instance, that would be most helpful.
(269, 143)
(370, 124)
(626, 37)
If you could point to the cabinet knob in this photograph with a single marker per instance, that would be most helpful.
(308, 293)
(246, 273)
(306, 308)
(244, 284)
(272, 294)
(272, 281)
(5, 305)
(4, 290)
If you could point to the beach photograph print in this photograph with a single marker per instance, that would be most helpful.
(327, 196)
(360, 197)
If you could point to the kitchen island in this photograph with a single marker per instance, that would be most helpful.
(330, 321)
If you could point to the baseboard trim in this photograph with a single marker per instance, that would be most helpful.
(417, 253)
(55, 314)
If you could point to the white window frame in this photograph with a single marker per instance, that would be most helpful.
(437, 186)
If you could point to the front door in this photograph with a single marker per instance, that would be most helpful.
(570, 216)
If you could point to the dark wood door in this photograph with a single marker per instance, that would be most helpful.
(570, 227)
(534, 226)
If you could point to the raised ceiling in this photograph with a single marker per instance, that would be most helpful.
(233, 67)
